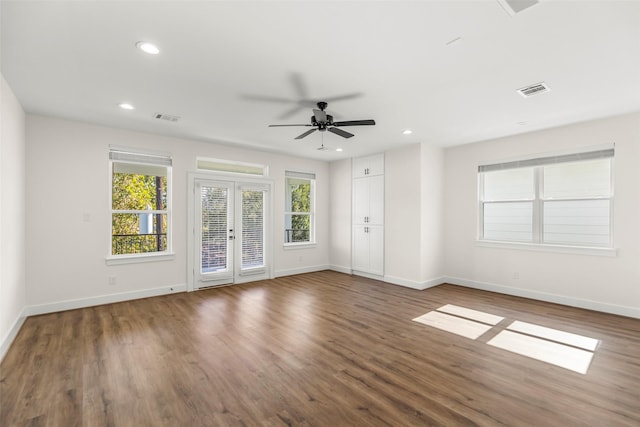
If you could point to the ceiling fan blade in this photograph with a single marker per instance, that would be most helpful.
(343, 97)
(269, 99)
(355, 123)
(310, 131)
(340, 132)
(321, 116)
(291, 112)
(279, 126)
(298, 84)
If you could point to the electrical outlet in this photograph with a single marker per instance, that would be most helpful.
(516, 274)
(112, 280)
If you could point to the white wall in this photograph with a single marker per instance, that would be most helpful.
(340, 215)
(432, 200)
(604, 283)
(68, 184)
(402, 210)
(13, 294)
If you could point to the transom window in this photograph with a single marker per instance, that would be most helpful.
(560, 200)
(140, 201)
(299, 215)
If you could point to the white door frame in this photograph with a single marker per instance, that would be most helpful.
(236, 181)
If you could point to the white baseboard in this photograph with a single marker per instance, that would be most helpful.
(13, 332)
(413, 284)
(102, 299)
(340, 269)
(368, 275)
(301, 270)
(620, 310)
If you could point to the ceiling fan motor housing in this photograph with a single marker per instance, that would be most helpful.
(322, 122)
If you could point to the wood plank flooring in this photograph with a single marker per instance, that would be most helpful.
(321, 349)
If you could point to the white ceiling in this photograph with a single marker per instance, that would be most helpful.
(78, 60)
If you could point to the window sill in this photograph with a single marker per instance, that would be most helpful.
(537, 247)
(294, 246)
(138, 258)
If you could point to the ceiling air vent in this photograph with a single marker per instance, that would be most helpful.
(516, 6)
(166, 117)
(533, 89)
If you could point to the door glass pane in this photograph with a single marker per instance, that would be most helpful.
(252, 229)
(215, 205)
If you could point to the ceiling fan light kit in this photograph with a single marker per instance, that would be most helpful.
(321, 121)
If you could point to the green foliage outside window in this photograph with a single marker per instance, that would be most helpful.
(141, 193)
(300, 203)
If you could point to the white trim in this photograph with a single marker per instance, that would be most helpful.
(541, 247)
(6, 342)
(137, 258)
(301, 270)
(103, 299)
(620, 310)
(412, 283)
(340, 269)
(263, 168)
(368, 275)
(301, 245)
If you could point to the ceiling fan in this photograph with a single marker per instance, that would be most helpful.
(324, 122)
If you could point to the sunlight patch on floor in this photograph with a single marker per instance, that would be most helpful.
(563, 349)
(453, 324)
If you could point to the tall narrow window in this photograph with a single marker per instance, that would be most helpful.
(560, 200)
(140, 200)
(299, 207)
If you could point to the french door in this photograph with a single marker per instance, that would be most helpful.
(231, 238)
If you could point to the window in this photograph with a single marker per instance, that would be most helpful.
(299, 207)
(230, 167)
(562, 200)
(140, 203)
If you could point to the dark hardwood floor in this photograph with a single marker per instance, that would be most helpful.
(321, 349)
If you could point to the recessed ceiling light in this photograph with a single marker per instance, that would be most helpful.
(148, 48)
(407, 132)
(126, 106)
(338, 149)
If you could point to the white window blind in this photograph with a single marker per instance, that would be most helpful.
(560, 200)
(214, 228)
(252, 229)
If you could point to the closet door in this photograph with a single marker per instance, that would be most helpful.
(368, 215)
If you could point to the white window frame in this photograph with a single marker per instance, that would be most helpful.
(539, 200)
(142, 158)
(231, 168)
(311, 177)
